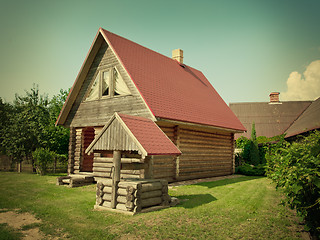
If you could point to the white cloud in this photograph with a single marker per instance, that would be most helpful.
(306, 87)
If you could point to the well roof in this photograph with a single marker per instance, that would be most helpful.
(126, 133)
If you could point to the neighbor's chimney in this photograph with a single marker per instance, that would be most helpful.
(274, 97)
(177, 54)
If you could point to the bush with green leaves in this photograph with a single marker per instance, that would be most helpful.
(295, 168)
(42, 158)
(251, 170)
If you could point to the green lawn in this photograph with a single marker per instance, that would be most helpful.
(240, 208)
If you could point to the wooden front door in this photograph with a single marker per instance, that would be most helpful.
(87, 138)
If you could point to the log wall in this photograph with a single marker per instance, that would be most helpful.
(204, 154)
(132, 166)
(164, 166)
(133, 196)
(78, 151)
(72, 144)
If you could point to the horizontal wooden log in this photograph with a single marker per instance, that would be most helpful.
(194, 175)
(202, 133)
(146, 187)
(120, 191)
(198, 170)
(102, 174)
(206, 154)
(130, 206)
(120, 199)
(130, 198)
(224, 148)
(199, 140)
(103, 165)
(148, 202)
(129, 176)
(132, 166)
(200, 164)
(101, 169)
(123, 160)
(151, 194)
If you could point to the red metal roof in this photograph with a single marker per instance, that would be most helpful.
(170, 90)
(149, 135)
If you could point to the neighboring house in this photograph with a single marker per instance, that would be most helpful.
(275, 117)
(164, 116)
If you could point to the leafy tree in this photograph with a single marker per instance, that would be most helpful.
(57, 139)
(29, 123)
(295, 168)
(42, 157)
(254, 155)
(5, 115)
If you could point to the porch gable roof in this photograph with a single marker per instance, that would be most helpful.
(131, 133)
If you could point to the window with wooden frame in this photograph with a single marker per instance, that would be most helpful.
(108, 83)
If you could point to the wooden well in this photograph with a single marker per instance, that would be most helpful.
(132, 196)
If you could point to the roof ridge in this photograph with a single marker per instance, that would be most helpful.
(298, 116)
(139, 118)
(148, 49)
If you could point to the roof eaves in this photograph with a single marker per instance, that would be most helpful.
(73, 93)
(203, 125)
(89, 148)
(142, 151)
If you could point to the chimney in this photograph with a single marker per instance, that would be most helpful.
(177, 54)
(274, 97)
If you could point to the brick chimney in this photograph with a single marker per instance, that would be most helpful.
(274, 97)
(177, 54)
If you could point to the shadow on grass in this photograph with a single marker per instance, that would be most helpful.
(195, 200)
(227, 181)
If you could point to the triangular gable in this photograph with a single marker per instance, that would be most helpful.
(81, 77)
(132, 133)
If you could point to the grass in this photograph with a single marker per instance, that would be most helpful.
(8, 233)
(240, 208)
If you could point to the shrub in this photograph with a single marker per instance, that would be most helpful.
(295, 168)
(42, 157)
(251, 170)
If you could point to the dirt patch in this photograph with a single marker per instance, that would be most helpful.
(21, 221)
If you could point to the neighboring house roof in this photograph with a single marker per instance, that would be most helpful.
(171, 90)
(309, 120)
(127, 133)
(270, 119)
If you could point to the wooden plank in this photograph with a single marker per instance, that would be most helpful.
(115, 177)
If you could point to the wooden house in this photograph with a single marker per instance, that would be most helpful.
(165, 118)
(277, 117)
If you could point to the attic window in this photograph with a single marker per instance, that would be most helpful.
(108, 83)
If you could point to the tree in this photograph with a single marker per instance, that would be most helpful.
(42, 157)
(29, 123)
(295, 168)
(254, 150)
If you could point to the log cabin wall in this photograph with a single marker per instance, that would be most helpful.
(78, 151)
(205, 153)
(164, 166)
(98, 112)
(87, 137)
(132, 165)
(72, 145)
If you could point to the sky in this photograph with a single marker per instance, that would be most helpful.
(246, 48)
